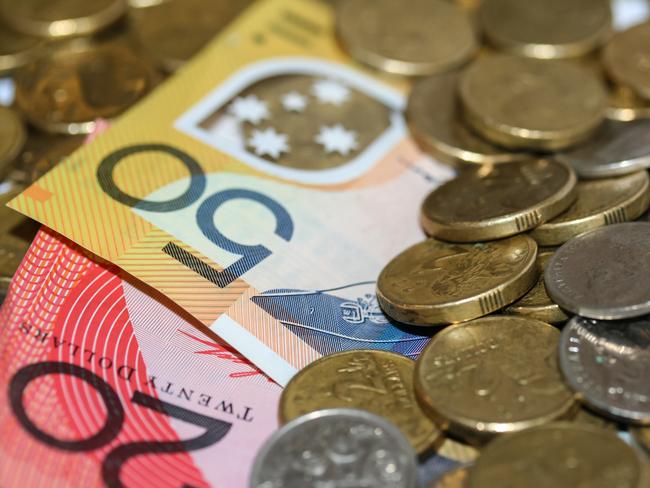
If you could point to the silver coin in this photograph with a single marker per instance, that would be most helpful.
(617, 148)
(608, 364)
(336, 448)
(603, 274)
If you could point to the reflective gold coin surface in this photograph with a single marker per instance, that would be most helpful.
(452, 479)
(559, 455)
(642, 436)
(536, 304)
(495, 201)
(16, 49)
(627, 59)
(426, 37)
(546, 29)
(59, 18)
(530, 103)
(380, 382)
(174, 31)
(434, 119)
(435, 282)
(600, 202)
(71, 86)
(626, 106)
(12, 138)
(493, 375)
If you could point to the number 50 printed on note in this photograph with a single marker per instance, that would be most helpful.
(262, 189)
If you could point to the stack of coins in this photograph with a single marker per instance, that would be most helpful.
(74, 62)
(548, 126)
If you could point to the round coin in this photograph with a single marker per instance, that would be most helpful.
(16, 49)
(380, 382)
(603, 274)
(337, 447)
(434, 118)
(536, 304)
(627, 59)
(436, 282)
(495, 201)
(529, 103)
(12, 138)
(546, 29)
(617, 148)
(455, 478)
(600, 202)
(71, 86)
(607, 363)
(642, 436)
(493, 375)
(430, 36)
(626, 106)
(60, 18)
(561, 455)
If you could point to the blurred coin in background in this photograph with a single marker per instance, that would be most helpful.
(16, 49)
(12, 138)
(627, 59)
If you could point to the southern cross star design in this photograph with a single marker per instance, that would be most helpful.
(249, 109)
(336, 138)
(268, 142)
(330, 91)
(294, 102)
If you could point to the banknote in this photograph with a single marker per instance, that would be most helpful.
(103, 385)
(262, 189)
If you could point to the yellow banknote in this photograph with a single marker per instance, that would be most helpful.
(262, 188)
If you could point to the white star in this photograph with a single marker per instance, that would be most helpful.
(337, 139)
(294, 102)
(268, 142)
(249, 109)
(329, 91)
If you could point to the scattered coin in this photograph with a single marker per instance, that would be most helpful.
(600, 202)
(603, 274)
(627, 59)
(617, 148)
(452, 479)
(495, 201)
(546, 29)
(172, 32)
(625, 106)
(12, 138)
(430, 36)
(642, 436)
(561, 455)
(493, 375)
(585, 416)
(536, 304)
(436, 282)
(434, 118)
(607, 363)
(60, 18)
(66, 89)
(337, 447)
(380, 382)
(16, 49)
(530, 103)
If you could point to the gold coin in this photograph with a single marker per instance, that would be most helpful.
(172, 32)
(536, 304)
(60, 18)
(559, 455)
(435, 282)
(546, 29)
(627, 59)
(72, 85)
(455, 478)
(491, 202)
(493, 375)
(380, 382)
(12, 138)
(530, 103)
(16, 49)
(421, 38)
(626, 106)
(600, 202)
(434, 118)
(585, 416)
(642, 436)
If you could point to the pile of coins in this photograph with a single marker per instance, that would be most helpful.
(74, 63)
(548, 125)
